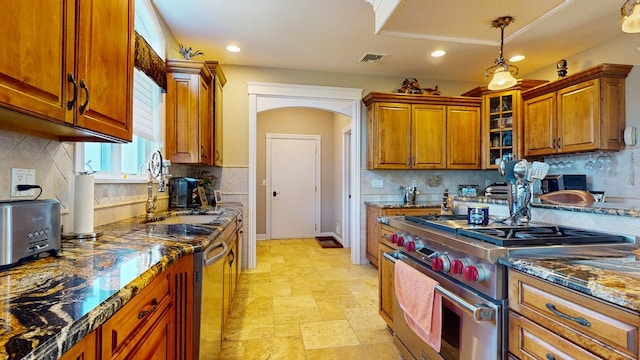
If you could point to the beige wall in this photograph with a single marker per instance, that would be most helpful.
(306, 122)
(236, 100)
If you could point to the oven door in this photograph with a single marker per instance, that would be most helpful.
(472, 325)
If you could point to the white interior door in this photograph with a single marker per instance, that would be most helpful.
(293, 181)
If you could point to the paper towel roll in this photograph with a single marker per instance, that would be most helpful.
(83, 204)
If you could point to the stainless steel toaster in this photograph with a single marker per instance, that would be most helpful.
(28, 228)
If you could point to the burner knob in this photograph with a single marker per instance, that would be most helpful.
(441, 263)
(411, 246)
(400, 241)
(474, 273)
(457, 265)
(393, 238)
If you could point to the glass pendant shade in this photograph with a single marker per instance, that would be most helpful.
(502, 79)
(631, 16)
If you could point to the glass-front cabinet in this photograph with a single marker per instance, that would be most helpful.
(501, 140)
(502, 122)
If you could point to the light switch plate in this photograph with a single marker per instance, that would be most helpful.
(22, 177)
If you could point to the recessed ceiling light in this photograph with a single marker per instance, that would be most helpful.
(438, 53)
(516, 58)
(233, 48)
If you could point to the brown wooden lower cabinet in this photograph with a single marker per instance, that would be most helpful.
(547, 321)
(372, 234)
(386, 286)
(155, 324)
(86, 349)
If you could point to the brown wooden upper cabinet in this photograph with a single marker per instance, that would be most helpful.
(581, 112)
(218, 82)
(189, 136)
(73, 77)
(502, 121)
(422, 131)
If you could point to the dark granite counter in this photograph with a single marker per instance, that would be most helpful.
(610, 275)
(618, 207)
(400, 205)
(51, 303)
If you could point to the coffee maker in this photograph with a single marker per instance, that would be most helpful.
(183, 193)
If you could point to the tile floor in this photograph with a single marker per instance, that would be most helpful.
(305, 302)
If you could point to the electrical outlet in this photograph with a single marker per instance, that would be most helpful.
(22, 177)
(377, 183)
(414, 183)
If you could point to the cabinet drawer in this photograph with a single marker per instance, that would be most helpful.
(530, 341)
(597, 326)
(132, 320)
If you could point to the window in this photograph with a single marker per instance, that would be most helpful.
(128, 161)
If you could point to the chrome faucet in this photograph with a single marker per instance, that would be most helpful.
(158, 169)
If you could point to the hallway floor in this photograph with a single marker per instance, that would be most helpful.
(306, 302)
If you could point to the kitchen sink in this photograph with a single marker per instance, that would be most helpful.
(192, 219)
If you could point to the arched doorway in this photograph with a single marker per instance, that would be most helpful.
(346, 101)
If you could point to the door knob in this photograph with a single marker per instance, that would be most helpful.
(275, 194)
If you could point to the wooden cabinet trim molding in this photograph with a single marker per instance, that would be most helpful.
(420, 99)
(603, 70)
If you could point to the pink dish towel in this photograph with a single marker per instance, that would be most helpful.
(421, 304)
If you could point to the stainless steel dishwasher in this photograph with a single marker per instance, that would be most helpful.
(208, 298)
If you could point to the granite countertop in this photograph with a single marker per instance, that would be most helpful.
(609, 274)
(401, 205)
(51, 303)
(619, 207)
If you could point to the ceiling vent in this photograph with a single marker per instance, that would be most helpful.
(370, 58)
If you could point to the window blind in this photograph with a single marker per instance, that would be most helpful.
(143, 105)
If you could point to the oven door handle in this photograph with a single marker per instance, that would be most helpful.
(479, 312)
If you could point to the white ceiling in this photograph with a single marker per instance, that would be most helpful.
(332, 35)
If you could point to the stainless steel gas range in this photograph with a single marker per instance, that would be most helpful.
(463, 259)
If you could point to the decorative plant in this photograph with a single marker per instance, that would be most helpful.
(208, 181)
(188, 53)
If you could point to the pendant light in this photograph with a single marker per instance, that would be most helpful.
(630, 16)
(502, 78)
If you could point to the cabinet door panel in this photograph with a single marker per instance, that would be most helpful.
(217, 117)
(33, 71)
(182, 119)
(539, 125)
(429, 137)
(372, 234)
(105, 65)
(578, 109)
(386, 286)
(463, 137)
(392, 135)
(206, 125)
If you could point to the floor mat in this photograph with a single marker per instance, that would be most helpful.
(328, 242)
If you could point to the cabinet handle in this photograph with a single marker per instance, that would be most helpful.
(233, 257)
(553, 144)
(550, 357)
(559, 143)
(217, 155)
(75, 91)
(154, 306)
(83, 86)
(202, 152)
(580, 320)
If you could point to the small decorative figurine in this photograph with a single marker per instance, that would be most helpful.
(188, 53)
(411, 86)
(562, 68)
